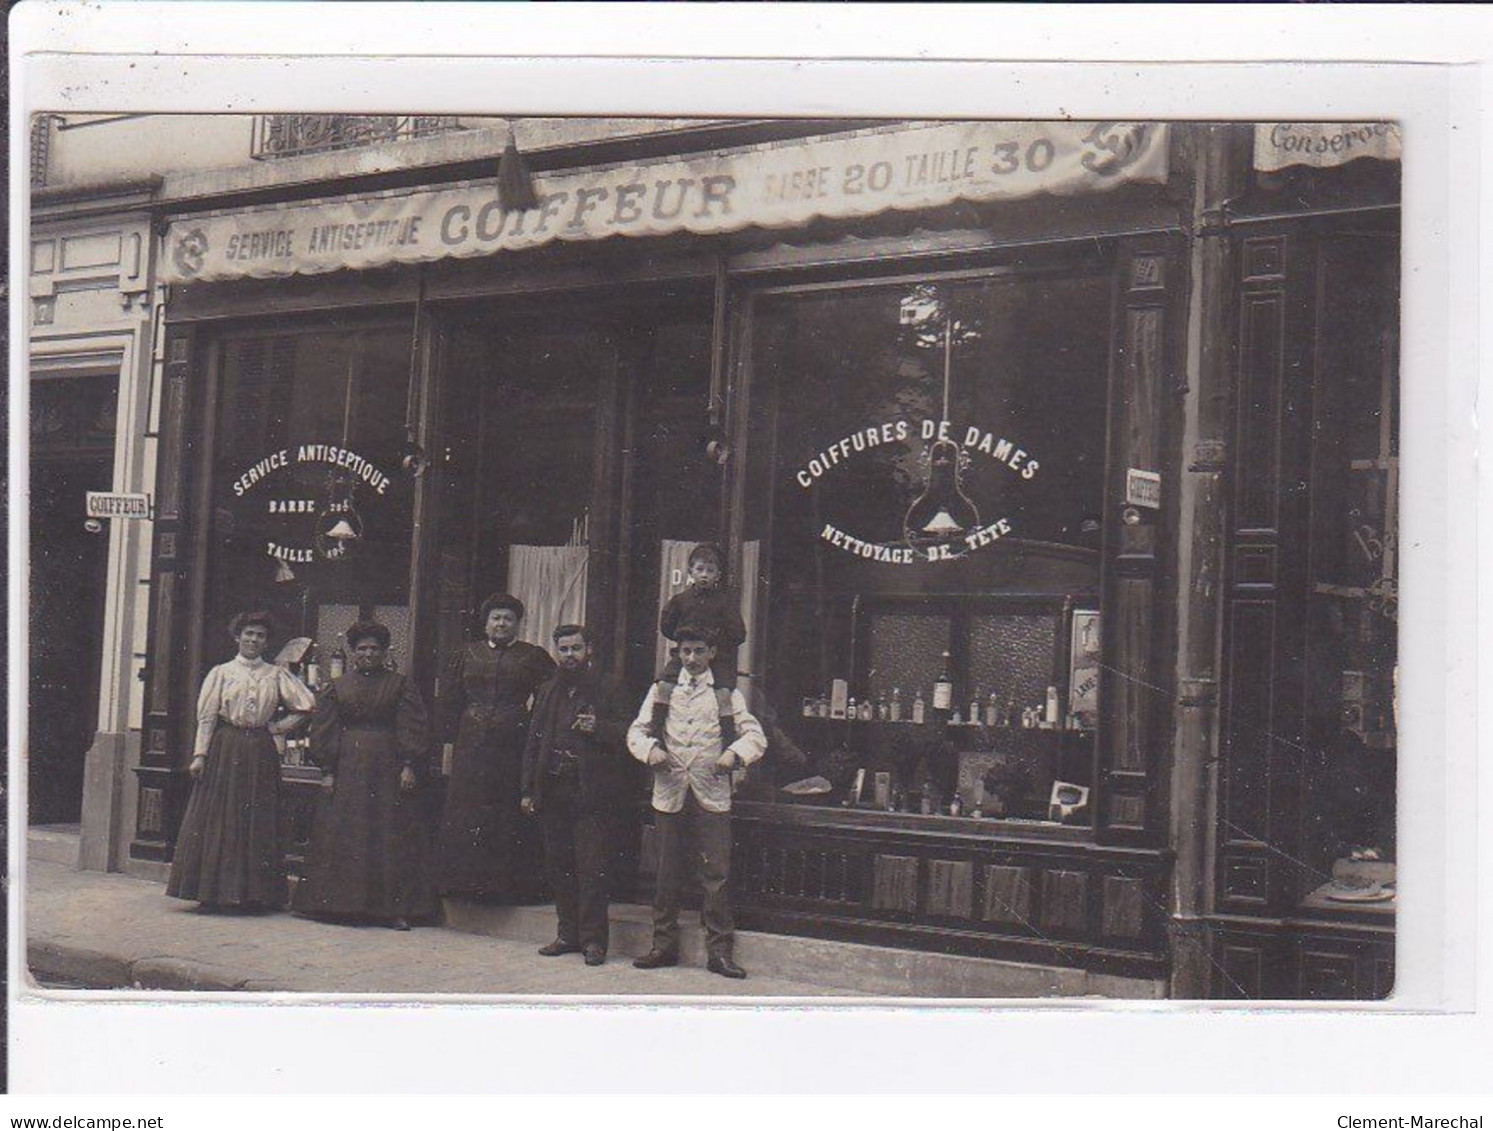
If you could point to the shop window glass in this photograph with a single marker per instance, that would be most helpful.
(312, 513)
(927, 469)
(1352, 627)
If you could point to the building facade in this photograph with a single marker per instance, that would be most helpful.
(1056, 464)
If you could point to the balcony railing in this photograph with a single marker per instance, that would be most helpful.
(294, 135)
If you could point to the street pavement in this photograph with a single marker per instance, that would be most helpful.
(112, 931)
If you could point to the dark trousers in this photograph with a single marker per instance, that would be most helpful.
(711, 834)
(575, 857)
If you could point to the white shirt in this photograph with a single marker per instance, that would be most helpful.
(247, 693)
(692, 745)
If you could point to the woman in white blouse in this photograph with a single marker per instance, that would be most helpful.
(228, 853)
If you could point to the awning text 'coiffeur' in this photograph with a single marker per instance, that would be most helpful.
(780, 185)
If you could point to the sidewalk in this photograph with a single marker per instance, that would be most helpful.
(115, 931)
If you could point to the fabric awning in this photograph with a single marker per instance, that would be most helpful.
(1323, 144)
(842, 176)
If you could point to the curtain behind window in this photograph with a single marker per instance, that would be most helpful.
(551, 582)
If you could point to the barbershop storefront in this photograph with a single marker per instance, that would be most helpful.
(970, 404)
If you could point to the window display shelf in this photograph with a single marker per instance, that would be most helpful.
(986, 830)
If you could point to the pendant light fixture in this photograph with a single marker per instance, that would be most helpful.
(942, 514)
(415, 461)
(339, 527)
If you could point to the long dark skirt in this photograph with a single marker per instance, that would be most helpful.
(228, 851)
(368, 853)
(480, 844)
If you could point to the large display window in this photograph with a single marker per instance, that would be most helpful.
(925, 485)
(1348, 797)
(311, 507)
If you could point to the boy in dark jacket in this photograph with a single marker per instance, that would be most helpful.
(707, 603)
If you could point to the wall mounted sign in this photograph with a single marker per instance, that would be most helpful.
(1323, 144)
(923, 165)
(942, 523)
(1143, 488)
(316, 525)
(114, 504)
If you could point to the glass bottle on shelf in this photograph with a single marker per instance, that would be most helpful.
(992, 710)
(883, 712)
(894, 708)
(943, 687)
(313, 668)
(868, 711)
(919, 708)
(974, 708)
(338, 664)
(852, 709)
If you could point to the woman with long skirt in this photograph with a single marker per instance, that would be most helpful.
(368, 858)
(228, 850)
(486, 692)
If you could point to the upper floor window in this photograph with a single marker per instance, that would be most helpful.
(293, 135)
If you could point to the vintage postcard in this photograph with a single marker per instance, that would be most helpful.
(908, 546)
(443, 522)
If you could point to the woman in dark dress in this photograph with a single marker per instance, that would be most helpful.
(486, 692)
(228, 852)
(368, 857)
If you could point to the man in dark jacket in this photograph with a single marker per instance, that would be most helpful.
(574, 772)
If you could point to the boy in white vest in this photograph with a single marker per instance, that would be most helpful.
(703, 734)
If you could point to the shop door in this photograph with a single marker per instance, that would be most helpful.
(672, 488)
(574, 473)
(71, 436)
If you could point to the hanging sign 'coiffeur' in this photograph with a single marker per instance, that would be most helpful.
(943, 522)
(116, 504)
(839, 176)
(321, 525)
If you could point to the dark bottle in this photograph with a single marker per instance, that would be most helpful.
(943, 687)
